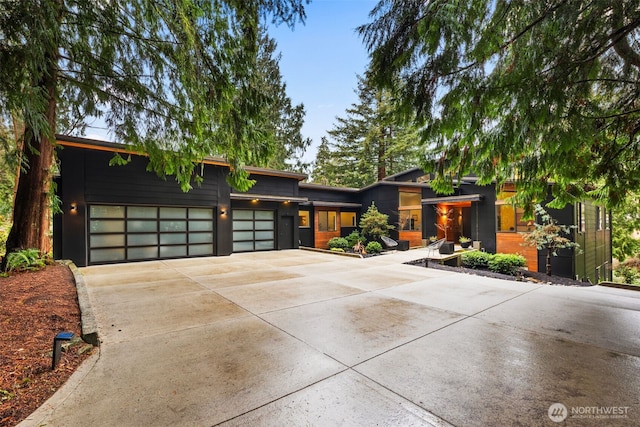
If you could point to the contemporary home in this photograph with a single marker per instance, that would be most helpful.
(124, 213)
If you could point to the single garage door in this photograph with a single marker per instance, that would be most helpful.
(253, 230)
(128, 233)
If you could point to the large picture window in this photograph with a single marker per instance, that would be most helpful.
(509, 216)
(410, 211)
(347, 219)
(327, 221)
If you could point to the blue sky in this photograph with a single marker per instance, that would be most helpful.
(320, 62)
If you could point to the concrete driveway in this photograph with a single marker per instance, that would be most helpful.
(304, 338)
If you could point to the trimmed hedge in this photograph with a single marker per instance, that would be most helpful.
(498, 263)
(338, 242)
(506, 263)
(373, 248)
(476, 259)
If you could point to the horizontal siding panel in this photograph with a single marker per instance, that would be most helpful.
(511, 243)
(131, 183)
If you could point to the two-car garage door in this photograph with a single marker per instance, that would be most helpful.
(127, 233)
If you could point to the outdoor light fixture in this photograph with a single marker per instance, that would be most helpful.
(223, 211)
(74, 208)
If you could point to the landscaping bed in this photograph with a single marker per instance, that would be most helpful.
(521, 275)
(34, 307)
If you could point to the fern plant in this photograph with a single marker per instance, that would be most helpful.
(25, 260)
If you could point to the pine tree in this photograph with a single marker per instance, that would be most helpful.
(368, 142)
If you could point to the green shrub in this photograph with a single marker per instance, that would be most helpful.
(476, 259)
(629, 271)
(354, 238)
(338, 242)
(506, 263)
(373, 248)
(26, 260)
(337, 250)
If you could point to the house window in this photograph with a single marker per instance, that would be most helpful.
(303, 219)
(327, 220)
(509, 219)
(410, 211)
(347, 219)
(410, 220)
(598, 218)
(581, 218)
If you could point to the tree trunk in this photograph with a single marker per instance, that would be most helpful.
(31, 208)
(548, 262)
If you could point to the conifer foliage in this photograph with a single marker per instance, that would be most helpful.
(537, 91)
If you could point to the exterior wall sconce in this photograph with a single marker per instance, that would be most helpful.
(74, 208)
(223, 212)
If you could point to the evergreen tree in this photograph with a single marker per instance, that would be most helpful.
(369, 144)
(285, 118)
(540, 91)
(175, 80)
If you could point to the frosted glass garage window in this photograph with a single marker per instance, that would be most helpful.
(142, 239)
(139, 226)
(264, 235)
(263, 246)
(106, 211)
(142, 212)
(243, 235)
(106, 240)
(106, 226)
(242, 225)
(200, 237)
(148, 252)
(200, 249)
(264, 225)
(173, 238)
(172, 251)
(200, 226)
(195, 213)
(242, 246)
(177, 213)
(106, 255)
(264, 214)
(242, 214)
(173, 226)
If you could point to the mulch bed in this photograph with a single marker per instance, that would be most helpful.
(34, 307)
(522, 276)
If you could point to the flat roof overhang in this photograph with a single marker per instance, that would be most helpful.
(321, 203)
(452, 199)
(267, 198)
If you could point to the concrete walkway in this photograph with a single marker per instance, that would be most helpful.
(303, 338)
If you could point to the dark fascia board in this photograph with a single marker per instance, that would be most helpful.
(452, 199)
(268, 198)
(94, 144)
(312, 186)
(320, 203)
(404, 172)
(397, 184)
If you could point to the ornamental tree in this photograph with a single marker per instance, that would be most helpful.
(548, 235)
(374, 223)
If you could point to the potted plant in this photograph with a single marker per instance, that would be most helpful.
(465, 242)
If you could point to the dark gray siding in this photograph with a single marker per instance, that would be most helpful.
(132, 184)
